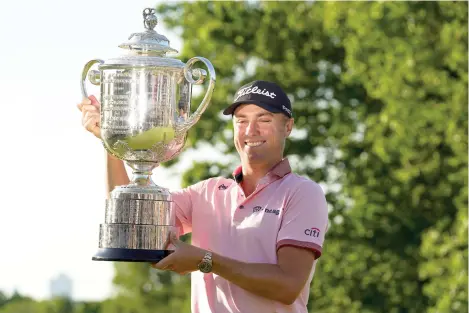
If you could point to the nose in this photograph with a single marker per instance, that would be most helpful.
(252, 129)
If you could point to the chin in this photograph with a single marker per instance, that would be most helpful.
(256, 158)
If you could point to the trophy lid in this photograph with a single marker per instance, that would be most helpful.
(149, 41)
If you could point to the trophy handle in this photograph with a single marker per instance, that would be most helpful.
(93, 76)
(200, 76)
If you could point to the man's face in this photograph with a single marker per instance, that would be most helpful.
(259, 135)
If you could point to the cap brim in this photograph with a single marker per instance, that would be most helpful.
(230, 110)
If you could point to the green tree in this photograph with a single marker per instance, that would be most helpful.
(3, 299)
(142, 289)
(60, 305)
(25, 305)
(410, 178)
(18, 303)
(88, 307)
(380, 101)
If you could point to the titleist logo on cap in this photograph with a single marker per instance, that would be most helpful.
(286, 109)
(249, 90)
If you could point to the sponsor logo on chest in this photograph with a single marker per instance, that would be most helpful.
(222, 187)
(266, 210)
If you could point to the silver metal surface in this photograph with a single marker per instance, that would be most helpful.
(84, 73)
(133, 60)
(140, 192)
(131, 236)
(146, 98)
(155, 101)
(142, 212)
(149, 40)
(146, 112)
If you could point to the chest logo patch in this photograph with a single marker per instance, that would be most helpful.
(258, 208)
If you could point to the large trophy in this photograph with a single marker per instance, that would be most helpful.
(145, 115)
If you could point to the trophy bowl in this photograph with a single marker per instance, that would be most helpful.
(146, 113)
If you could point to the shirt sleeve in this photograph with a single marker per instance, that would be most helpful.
(182, 203)
(305, 219)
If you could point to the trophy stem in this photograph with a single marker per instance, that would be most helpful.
(141, 174)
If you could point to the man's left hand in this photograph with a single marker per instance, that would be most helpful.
(183, 260)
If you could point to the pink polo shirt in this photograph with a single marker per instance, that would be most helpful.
(285, 209)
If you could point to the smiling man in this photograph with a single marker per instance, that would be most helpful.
(253, 248)
(256, 238)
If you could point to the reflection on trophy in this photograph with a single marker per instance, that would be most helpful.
(145, 115)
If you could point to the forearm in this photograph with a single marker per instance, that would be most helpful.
(116, 174)
(265, 280)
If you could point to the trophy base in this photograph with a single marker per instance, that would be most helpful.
(130, 255)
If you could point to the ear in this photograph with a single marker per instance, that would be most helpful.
(289, 125)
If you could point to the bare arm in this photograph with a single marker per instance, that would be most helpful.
(282, 282)
(116, 174)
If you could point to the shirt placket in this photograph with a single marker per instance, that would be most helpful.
(242, 200)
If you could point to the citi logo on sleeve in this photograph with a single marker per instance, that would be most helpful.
(312, 232)
(222, 187)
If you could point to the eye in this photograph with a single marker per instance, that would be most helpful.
(265, 120)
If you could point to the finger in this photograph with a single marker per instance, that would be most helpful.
(92, 124)
(164, 264)
(83, 102)
(86, 101)
(89, 107)
(91, 115)
(172, 240)
(94, 101)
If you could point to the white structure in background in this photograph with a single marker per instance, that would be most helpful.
(61, 286)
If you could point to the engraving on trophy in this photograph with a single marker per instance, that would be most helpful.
(145, 116)
(137, 211)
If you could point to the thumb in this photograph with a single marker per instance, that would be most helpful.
(172, 240)
(163, 263)
(173, 237)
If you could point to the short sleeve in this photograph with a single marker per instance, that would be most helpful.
(305, 219)
(182, 203)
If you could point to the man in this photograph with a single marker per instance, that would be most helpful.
(256, 238)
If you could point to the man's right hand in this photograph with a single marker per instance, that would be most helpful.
(91, 115)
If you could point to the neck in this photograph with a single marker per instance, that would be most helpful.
(252, 173)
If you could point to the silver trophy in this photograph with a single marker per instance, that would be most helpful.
(145, 115)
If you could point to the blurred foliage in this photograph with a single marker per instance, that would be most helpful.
(380, 102)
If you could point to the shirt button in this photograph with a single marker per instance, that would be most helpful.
(241, 206)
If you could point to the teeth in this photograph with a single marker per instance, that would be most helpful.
(254, 144)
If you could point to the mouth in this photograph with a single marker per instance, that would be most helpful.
(253, 143)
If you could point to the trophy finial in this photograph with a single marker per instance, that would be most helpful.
(149, 18)
(148, 41)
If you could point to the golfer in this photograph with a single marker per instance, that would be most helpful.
(256, 237)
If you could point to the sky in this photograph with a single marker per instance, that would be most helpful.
(52, 187)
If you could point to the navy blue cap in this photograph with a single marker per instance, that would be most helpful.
(267, 95)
